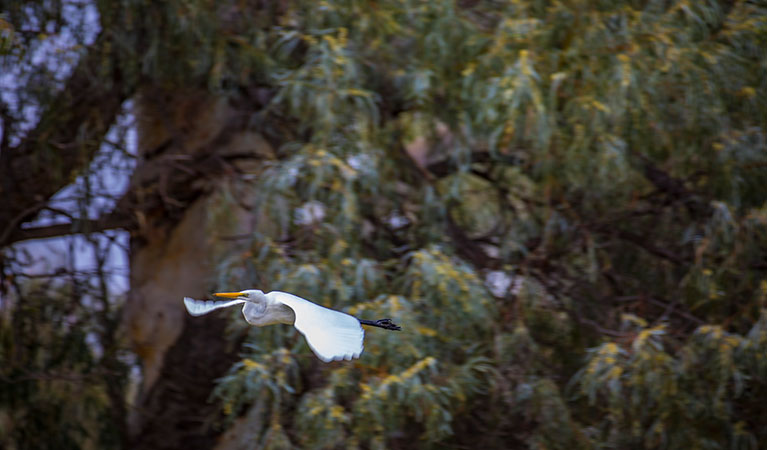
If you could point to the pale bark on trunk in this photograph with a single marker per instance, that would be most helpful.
(174, 254)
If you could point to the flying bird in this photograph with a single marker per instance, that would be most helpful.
(332, 335)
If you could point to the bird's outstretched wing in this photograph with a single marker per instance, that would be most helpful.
(332, 335)
(200, 307)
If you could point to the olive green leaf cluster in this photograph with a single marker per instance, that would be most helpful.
(62, 376)
(607, 157)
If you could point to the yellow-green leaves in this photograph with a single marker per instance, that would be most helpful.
(671, 391)
(607, 156)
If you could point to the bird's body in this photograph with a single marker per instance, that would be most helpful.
(332, 335)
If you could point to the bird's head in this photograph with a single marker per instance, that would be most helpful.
(252, 295)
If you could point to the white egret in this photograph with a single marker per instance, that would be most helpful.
(332, 335)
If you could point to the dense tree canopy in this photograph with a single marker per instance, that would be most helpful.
(563, 204)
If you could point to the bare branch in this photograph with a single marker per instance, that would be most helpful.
(67, 136)
(644, 244)
(110, 221)
(448, 166)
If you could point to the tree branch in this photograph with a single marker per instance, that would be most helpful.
(65, 139)
(448, 166)
(167, 184)
(643, 243)
(674, 188)
(110, 221)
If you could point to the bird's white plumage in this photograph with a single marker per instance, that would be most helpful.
(200, 307)
(332, 335)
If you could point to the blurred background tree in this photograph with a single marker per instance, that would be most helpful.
(562, 203)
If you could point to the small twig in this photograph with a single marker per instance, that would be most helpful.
(16, 221)
(643, 243)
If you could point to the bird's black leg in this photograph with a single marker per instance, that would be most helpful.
(386, 324)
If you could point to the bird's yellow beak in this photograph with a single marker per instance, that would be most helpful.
(228, 294)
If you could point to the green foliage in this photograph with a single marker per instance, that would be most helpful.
(58, 373)
(607, 156)
(704, 393)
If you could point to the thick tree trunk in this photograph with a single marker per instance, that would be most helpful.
(177, 412)
(189, 142)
